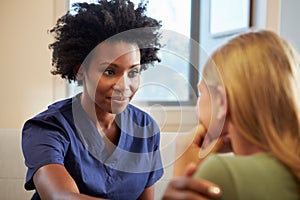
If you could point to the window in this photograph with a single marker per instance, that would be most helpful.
(168, 82)
(172, 81)
(228, 17)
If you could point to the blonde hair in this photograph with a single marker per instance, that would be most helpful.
(261, 73)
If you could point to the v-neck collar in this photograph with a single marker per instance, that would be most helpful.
(90, 136)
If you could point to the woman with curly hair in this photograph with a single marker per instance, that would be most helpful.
(97, 145)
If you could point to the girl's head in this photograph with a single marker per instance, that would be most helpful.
(260, 75)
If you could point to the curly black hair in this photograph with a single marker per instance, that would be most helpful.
(76, 35)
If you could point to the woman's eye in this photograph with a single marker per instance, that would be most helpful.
(133, 73)
(109, 72)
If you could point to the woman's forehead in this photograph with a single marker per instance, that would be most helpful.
(121, 46)
(114, 50)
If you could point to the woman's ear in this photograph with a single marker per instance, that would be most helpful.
(222, 103)
(78, 71)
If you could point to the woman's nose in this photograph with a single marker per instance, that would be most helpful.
(122, 84)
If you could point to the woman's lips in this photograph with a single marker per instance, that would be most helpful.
(119, 99)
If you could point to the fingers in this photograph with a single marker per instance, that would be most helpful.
(179, 195)
(200, 133)
(191, 188)
(199, 186)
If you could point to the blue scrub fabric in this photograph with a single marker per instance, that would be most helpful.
(65, 135)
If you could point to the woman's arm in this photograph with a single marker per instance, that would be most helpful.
(54, 182)
(191, 188)
(188, 187)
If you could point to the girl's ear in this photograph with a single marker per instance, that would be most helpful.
(78, 71)
(222, 103)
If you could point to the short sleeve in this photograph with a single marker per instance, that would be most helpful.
(215, 170)
(42, 143)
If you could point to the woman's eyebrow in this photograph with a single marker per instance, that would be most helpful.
(108, 64)
(135, 65)
(116, 65)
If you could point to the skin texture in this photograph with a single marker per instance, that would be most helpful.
(110, 82)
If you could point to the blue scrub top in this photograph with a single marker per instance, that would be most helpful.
(64, 134)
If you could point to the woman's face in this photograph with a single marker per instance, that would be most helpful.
(204, 105)
(113, 76)
(210, 110)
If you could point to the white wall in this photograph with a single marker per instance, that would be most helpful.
(26, 83)
(289, 22)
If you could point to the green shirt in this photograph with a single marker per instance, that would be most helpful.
(255, 177)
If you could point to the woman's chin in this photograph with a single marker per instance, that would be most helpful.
(117, 109)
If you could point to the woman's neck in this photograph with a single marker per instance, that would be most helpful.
(104, 121)
(101, 118)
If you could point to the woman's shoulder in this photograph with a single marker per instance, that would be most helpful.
(217, 162)
(222, 164)
(234, 162)
(262, 171)
(61, 106)
(53, 115)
